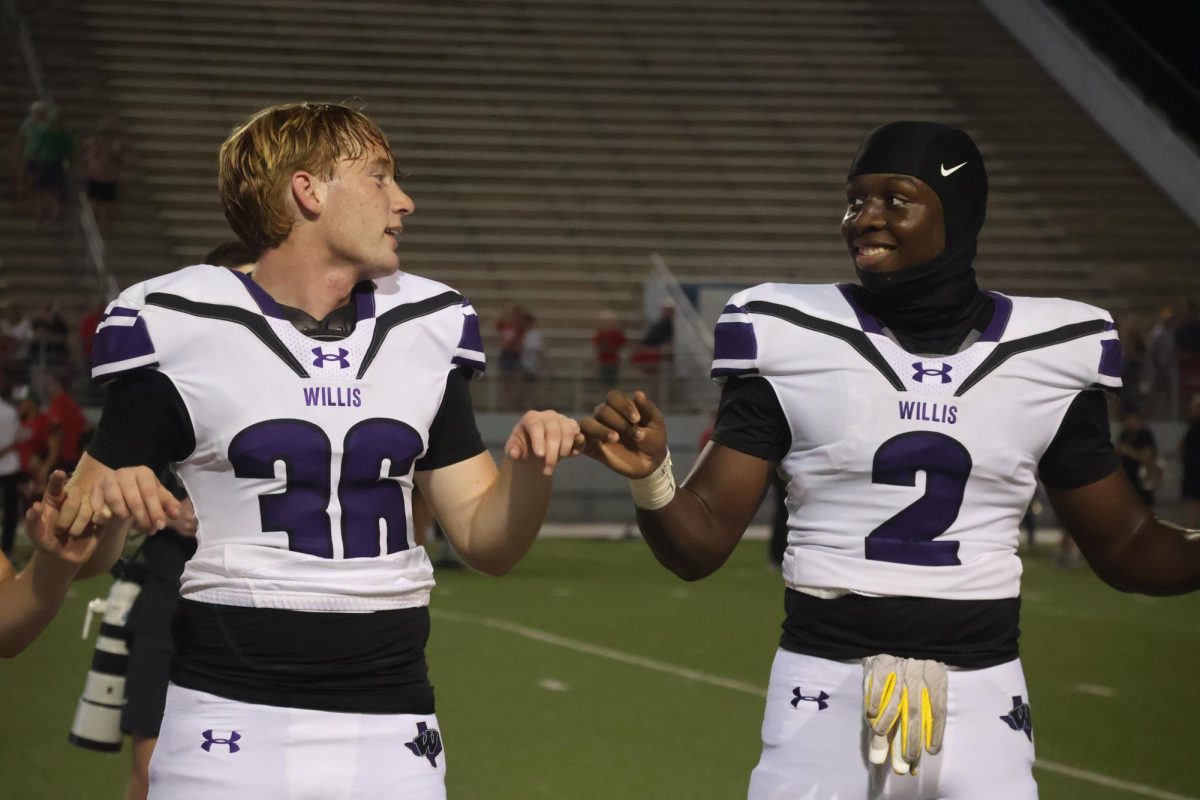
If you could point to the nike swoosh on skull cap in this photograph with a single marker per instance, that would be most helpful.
(952, 170)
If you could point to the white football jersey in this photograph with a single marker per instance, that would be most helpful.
(303, 469)
(909, 475)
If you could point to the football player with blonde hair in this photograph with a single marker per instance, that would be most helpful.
(300, 404)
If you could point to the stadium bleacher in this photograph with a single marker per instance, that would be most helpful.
(552, 145)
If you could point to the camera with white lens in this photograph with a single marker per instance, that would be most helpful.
(97, 724)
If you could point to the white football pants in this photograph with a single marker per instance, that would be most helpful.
(211, 748)
(815, 740)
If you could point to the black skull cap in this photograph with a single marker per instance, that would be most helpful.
(943, 157)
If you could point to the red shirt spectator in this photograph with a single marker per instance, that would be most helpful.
(510, 330)
(608, 342)
(34, 442)
(67, 425)
(87, 332)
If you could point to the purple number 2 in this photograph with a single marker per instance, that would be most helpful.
(302, 509)
(908, 537)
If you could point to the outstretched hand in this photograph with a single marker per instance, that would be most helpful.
(546, 436)
(626, 434)
(56, 528)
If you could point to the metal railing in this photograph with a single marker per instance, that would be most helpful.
(679, 382)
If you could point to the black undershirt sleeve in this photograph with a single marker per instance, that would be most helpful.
(1082, 451)
(751, 421)
(453, 436)
(144, 422)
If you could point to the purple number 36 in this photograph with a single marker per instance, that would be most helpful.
(365, 497)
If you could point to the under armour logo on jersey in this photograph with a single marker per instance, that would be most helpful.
(209, 741)
(922, 372)
(427, 743)
(1020, 718)
(322, 357)
(819, 699)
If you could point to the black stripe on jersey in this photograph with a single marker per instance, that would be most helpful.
(851, 336)
(401, 314)
(1006, 350)
(247, 319)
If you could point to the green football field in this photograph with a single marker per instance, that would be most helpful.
(591, 672)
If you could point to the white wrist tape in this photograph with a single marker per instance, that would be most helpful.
(656, 489)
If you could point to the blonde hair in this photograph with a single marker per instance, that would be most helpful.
(259, 158)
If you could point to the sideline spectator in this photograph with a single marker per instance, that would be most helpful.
(67, 426)
(50, 334)
(1133, 358)
(16, 332)
(35, 124)
(511, 332)
(87, 330)
(1189, 455)
(1029, 521)
(103, 158)
(33, 443)
(655, 347)
(608, 341)
(1139, 454)
(46, 146)
(1187, 332)
(1159, 383)
(10, 473)
(532, 362)
(1187, 348)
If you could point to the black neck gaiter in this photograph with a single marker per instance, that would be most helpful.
(931, 307)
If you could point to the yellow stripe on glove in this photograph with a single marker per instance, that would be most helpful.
(904, 705)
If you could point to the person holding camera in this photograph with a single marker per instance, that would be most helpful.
(164, 555)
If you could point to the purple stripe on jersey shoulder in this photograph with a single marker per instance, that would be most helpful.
(865, 321)
(1110, 326)
(1000, 317)
(1110, 358)
(471, 338)
(266, 303)
(115, 343)
(735, 340)
(118, 311)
